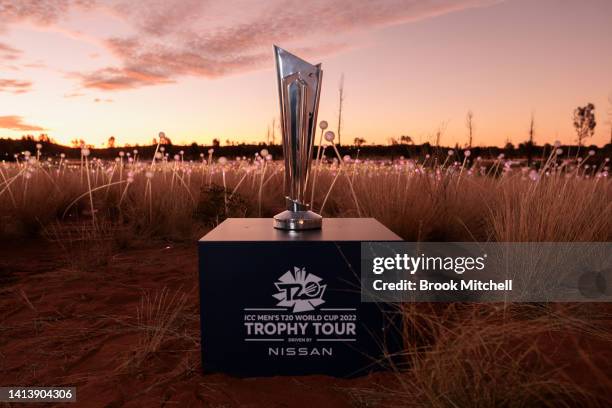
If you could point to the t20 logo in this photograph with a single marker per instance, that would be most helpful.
(299, 290)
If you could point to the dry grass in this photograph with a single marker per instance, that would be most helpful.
(467, 201)
(498, 355)
(557, 209)
(156, 318)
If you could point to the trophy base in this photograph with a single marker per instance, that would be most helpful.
(298, 220)
(241, 263)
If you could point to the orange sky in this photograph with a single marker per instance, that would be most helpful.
(202, 70)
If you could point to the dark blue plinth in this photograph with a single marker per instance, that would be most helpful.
(280, 303)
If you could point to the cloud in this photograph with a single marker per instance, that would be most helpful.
(16, 123)
(110, 79)
(15, 86)
(8, 53)
(36, 64)
(73, 95)
(173, 38)
(42, 12)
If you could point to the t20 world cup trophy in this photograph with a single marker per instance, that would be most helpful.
(299, 89)
(254, 276)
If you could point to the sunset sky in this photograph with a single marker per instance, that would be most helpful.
(203, 69)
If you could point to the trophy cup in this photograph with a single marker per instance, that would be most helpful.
(299, 88)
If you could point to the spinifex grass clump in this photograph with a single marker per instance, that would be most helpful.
(157, 318)
(452, 196)
(85, 248)
(214, 205)
(498, 355)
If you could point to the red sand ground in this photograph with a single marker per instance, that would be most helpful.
(66, 322)
(63, 326)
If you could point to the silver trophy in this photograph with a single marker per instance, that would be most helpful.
(299, 88)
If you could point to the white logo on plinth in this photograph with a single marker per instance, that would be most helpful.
(299, 290)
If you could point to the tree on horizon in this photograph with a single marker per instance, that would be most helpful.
(584, 123)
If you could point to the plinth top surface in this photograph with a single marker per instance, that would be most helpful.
(334, 229)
